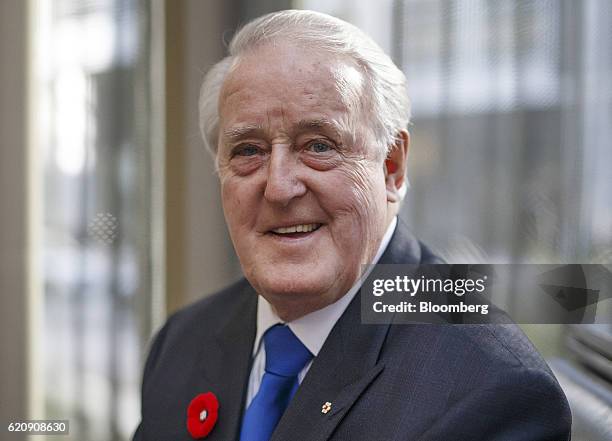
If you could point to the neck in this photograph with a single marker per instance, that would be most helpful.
(290, 309)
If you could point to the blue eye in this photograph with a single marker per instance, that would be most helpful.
(319, 147)
(246, 150)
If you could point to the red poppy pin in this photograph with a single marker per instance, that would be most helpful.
(202, 415)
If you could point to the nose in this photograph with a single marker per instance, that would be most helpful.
(283, 183)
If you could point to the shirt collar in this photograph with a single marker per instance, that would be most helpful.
(313, 328)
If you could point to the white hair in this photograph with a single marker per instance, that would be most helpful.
(388, 103)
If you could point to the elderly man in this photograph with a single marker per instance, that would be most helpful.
(307, 121)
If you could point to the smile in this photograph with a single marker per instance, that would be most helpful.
(302, 228)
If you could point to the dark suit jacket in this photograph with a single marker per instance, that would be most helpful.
(385, 382)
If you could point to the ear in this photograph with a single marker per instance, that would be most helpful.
(395, 166)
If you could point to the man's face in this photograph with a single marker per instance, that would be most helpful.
(302, 184)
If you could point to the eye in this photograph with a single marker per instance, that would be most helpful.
(246, 150)
(319, 147)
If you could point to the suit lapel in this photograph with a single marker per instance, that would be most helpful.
(226, 365)
(347, 363)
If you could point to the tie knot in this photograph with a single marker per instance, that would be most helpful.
(286, 355)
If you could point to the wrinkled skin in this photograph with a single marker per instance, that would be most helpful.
(294, 150)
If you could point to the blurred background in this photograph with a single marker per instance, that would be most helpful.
(109, 208)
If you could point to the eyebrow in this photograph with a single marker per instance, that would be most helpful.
(235, 133)
(320, 124)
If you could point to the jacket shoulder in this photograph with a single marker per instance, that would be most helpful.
(484, 348)
(187, 329)
(212, 309)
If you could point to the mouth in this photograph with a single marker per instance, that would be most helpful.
(295, 231)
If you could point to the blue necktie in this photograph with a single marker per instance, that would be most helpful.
(286, 356)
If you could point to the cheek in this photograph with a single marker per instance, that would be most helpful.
(239, 202)
(358, 205)
(364, 192)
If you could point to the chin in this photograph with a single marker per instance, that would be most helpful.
(295, 286)
(296, 292)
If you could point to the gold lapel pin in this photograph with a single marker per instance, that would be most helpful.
(326, 407)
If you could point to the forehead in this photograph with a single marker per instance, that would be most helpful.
(283, 80)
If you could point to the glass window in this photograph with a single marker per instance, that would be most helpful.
(510, 131)
(93, 119)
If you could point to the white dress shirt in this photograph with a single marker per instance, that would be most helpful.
(312, 329)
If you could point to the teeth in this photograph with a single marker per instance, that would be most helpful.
(303, 228)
